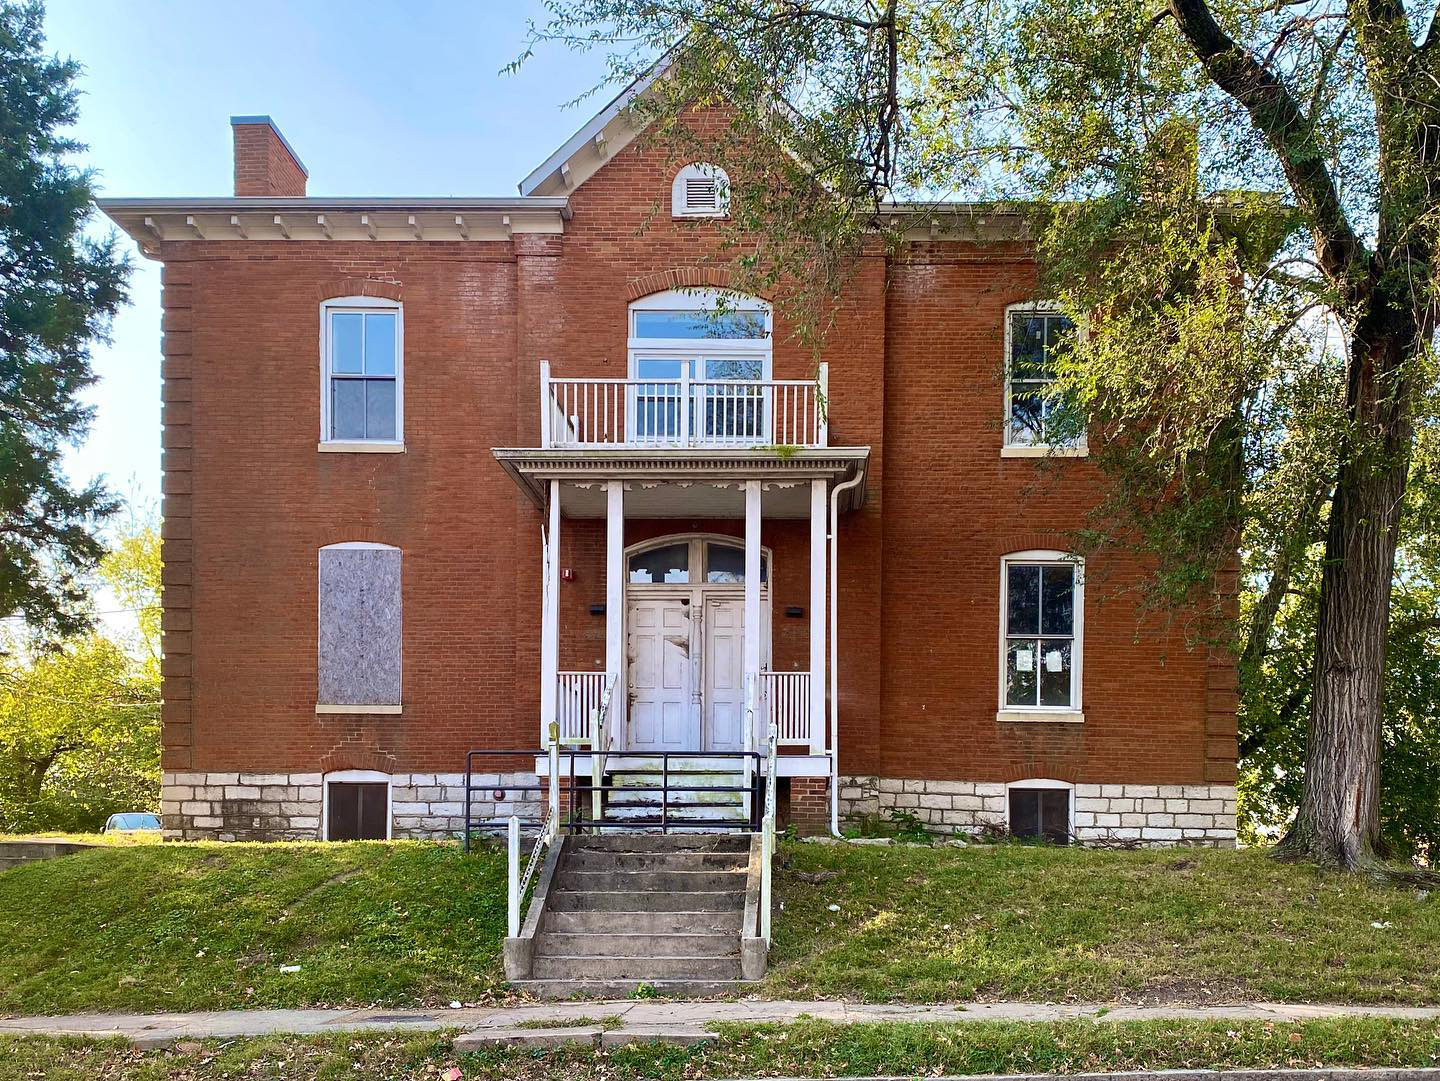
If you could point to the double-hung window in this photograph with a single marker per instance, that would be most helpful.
(1042, 613)
(1036, 418)
(361, 344)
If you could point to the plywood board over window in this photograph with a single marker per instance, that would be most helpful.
(360, 626)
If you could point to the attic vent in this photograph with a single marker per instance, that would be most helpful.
(700, 191)
(701, 194)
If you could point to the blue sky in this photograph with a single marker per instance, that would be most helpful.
(376, 98)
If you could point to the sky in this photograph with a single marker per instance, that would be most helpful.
(398, 98)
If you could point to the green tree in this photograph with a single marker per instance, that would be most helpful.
(1237, 197)
(80, 719)
(1276, 694)
(58, 291)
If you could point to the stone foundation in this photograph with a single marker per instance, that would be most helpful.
(289, 806)
(1144, 814)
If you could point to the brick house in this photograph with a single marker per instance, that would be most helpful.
(441, 472)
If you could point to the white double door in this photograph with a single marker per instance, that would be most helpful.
(686, 670)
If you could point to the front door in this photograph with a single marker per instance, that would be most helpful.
(724, 703)
(662, 711)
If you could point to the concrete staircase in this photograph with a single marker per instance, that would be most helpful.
(634, 908)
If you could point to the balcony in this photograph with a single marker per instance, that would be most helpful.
(684, 413)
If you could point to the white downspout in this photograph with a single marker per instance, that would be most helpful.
(834, 668)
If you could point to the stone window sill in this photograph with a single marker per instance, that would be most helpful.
(341, 446)
(1040, 450)
(1040, 716)
(323, 708)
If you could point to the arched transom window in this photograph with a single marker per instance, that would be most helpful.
(692, 561)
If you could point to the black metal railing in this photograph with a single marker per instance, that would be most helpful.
(579, 789)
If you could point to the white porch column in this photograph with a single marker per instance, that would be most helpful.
(550, 626)
(752, 597)
(615, 603)
(817, 616)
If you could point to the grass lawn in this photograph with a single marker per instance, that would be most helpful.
(1024, 922)
(210, 926)
(807, 1048)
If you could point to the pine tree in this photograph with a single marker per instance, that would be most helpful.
(58, 292)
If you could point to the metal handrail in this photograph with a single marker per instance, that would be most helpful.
(551, 821)
(767, 841)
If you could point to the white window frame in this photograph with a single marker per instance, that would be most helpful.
(379, 709)
(362, 305)
(698, 349)
(695, 170)
(1073, 713)
(357, 776)
(1043, 782)
(1009, 449)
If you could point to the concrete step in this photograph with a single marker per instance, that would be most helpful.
(623, 988)
(650, 881)
(637, 797)
(652, 947)
(696, 763)
(620, 841)
(567, 967)
(633, 810)
(561, 899)
(683, 860)
(644, 923)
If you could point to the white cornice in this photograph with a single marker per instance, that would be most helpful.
(533, 467)
(152, 221)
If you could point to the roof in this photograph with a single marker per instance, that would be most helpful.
(151, 220)
(596, 140)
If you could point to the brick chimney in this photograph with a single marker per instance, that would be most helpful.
(264, 162)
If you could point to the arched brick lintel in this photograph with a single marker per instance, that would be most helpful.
(350, 758)
(360, 287)
(691, 277)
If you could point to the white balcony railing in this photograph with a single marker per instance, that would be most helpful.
(785, 701)
(579, 699)
(682, 412)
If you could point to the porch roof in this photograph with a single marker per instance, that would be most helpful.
(693, 483)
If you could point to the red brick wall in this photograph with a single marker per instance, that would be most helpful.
(913, 375)
(264, 164)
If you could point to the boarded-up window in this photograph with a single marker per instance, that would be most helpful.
(357, 811)
(1042, 813)
(360, 626)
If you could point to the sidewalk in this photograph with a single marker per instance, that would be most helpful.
(629, 1020)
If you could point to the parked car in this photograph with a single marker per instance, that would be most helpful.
(131, 821)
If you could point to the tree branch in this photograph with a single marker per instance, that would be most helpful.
(1278, 117)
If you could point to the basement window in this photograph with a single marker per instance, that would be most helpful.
(357, 806)
(1039, 812)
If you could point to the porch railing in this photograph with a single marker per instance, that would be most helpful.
(684, 412)
(785, 702)
(580, 697)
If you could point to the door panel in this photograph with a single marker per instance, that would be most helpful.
(725, 674)
(662, 717)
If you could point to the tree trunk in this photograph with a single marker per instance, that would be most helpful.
(1338, 822)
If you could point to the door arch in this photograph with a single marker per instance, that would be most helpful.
(684, 634)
